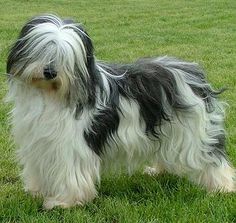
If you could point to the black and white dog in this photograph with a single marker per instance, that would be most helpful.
(74, 116)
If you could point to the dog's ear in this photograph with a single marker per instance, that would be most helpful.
(87, 42)
(94, 74)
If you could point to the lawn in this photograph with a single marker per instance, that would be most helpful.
(200, 31)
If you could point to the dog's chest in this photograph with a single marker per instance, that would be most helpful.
(36, 117)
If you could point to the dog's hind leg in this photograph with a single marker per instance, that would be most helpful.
(216, 178)
(193, 141)
(193, 146)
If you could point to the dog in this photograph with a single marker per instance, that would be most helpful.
(75, 117)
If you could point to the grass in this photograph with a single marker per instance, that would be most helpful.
(201, 31)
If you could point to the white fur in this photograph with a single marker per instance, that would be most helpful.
(57, 162)
(130, 147)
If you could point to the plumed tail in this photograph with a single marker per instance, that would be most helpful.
(195, 77)
(190, 74)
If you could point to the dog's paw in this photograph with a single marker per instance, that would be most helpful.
(33, 191)
(153, 171)
(50, 203)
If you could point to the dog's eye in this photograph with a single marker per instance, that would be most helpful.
(49, 73)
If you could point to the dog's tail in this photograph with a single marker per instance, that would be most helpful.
(195, 78)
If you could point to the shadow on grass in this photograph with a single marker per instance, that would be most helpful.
(141, 188)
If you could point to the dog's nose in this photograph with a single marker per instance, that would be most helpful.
(49, 73)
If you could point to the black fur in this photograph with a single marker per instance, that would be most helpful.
(103, 126)
(149, 83)
(198, 76)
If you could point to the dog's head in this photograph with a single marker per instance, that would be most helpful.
(54, 55)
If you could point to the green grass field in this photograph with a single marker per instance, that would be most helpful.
(200, 31)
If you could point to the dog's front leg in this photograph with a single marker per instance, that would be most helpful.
(64, 173)
(70, 179)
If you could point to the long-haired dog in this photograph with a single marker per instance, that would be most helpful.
(75, 116)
